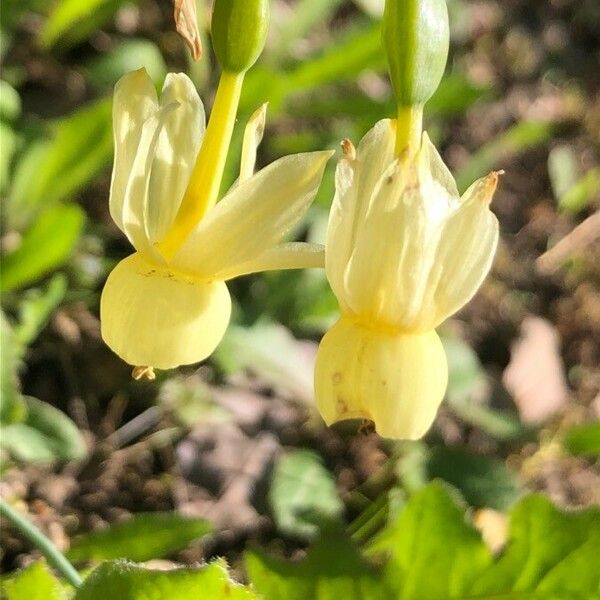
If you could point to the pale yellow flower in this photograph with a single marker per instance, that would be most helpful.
(404, 252)
(167, 304)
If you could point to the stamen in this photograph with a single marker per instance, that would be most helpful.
(143, 373)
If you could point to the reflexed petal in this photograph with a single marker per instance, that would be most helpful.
(134, 102)
(254, 216)
(397, 381)
(253, 134)
(154, 317)
(437, 167)
(293, 255)
(467, 249)
(175, 153)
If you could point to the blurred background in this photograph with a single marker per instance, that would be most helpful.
(236, 440)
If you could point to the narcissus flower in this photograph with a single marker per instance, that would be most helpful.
(404, 252)
(167, 304)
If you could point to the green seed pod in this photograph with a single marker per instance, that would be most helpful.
(239, 31)
(415, 39)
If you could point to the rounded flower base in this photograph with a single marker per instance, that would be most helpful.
(397, 380)
(154, 317)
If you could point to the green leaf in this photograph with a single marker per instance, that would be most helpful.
(51, 171)
(303, 494)
(128, 581)
(12, 406)
(582, 193)
(46, 434)
(517, 139)
(44, 247)
(104, 70)
(36, 306)
(333, 568)
(583, 440)
(143, 537)
(36, 582)
(482, 480)
(433, 552)
(548, 552)
(466, 377)
(10, 102)
(72, 20)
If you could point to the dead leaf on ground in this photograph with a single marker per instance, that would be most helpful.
(535, 375)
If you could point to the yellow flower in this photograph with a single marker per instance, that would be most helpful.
(167, 304)
(404, 252)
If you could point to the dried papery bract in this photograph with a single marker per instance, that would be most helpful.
(186, 23)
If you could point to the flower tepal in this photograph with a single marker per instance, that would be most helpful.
(404, 252)
(167, 304)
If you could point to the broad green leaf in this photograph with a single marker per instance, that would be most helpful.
(583, 440)
(128, 581)
(549, 553)
(35, 582)
(10, 102)
(482, 480)
(72, 20)
(81, 147)
(432, 551)
(333, 569)
(12, 406)
(104, 70)
(44, 247)
(520, 137)
(303, 494)
(26, 444)
(36, 307)
(143, 537)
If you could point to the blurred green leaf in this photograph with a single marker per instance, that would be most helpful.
(333, 568)
(583, 440)
(416, 568)
(36, 306)
(9, 147)
(303, 494)
(466, 377)
(129, 55)
(127, 581)
(45, 434)
(80, 148)
(44, 247)
(143, 537)
(550, 554)
(36, 582)
(562, 169)
(12, 406)
(482, 480)
(270, 351)
(10, 102)
(584, 191)
(493, 155)
(72, 21)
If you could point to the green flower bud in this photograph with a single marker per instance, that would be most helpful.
(415, 39)
(239, 31)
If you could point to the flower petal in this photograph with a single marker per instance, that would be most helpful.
(175, 153)
(152, 316)
(254, 216)
(293, 255)
(467, 249)
(396, 380)
(356, 177)
(134, 102)
(253, 134)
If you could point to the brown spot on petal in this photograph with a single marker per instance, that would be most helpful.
(336, 378)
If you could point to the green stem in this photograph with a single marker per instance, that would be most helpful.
(409, 128)
(40, 541)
